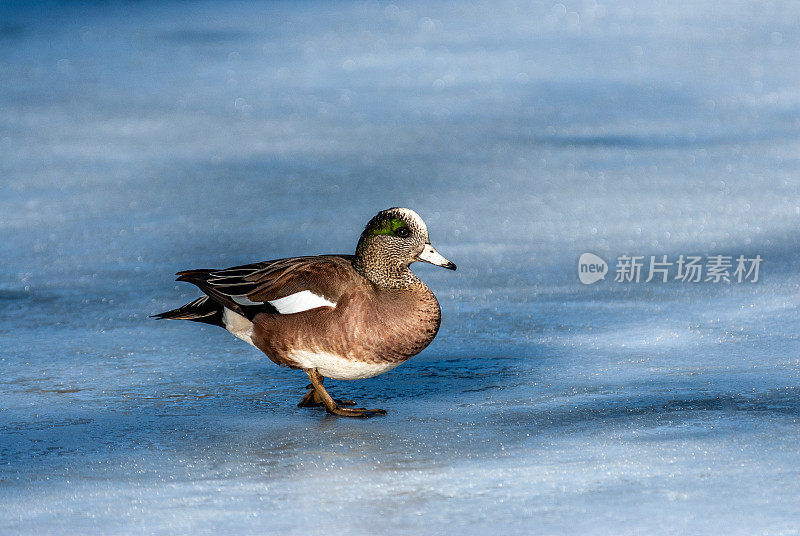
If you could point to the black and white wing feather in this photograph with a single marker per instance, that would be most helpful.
(282, 286)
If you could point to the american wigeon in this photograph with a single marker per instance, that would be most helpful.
(345, 317)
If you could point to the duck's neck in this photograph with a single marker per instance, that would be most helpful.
(385, 274)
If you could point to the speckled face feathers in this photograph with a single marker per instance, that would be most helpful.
(391, 241)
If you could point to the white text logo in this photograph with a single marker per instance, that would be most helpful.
(591, 268)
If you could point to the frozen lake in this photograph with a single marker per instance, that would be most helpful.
(138, 139)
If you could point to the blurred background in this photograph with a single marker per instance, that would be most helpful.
(141, 138)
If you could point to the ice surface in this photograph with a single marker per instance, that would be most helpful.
(137, 139)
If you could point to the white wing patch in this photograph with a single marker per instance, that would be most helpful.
(299, 302)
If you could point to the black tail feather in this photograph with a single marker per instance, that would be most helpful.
(200, 279)
(202, 309)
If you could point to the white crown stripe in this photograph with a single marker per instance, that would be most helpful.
(299, 302)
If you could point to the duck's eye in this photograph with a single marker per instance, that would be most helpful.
(403, 232)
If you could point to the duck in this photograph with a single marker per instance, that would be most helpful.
(344, 317)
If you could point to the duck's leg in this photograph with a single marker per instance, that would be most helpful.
(313, 400)
(330, 404)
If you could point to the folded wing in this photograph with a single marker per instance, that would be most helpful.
(283, 286)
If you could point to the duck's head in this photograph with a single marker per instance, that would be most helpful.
(391, 241)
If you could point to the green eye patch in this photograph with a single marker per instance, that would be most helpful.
(387, 227)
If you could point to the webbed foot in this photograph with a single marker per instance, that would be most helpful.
(317, 396)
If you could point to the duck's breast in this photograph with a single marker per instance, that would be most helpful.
(409, 321)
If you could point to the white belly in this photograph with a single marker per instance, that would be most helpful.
(338, 368)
